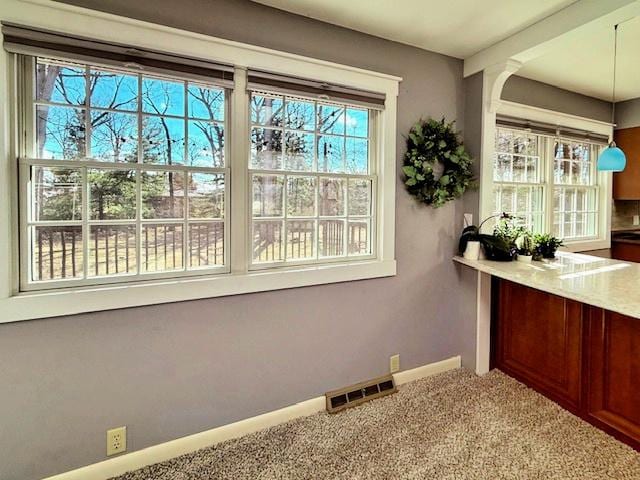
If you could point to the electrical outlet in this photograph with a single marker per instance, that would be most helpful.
(394, 363)
(116, 440)
(468, 219)
(636, 219)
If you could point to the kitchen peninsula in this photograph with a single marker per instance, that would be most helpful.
(569, 328)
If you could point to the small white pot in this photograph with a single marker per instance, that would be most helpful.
(524, 258)
(472, 252)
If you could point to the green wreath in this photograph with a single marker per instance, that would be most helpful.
(432, 143)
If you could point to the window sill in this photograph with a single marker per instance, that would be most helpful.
(28, 306)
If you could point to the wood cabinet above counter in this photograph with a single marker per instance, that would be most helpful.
(626, 184)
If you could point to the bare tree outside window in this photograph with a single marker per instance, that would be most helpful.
(309, 161)
(126, 121)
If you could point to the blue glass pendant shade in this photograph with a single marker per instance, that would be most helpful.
(612, 159)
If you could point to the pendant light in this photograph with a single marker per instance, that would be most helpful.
(612, 158)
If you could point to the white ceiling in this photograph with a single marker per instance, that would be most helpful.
(461, 28)
(458, 28)
(586, 65)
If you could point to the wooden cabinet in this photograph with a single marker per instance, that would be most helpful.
(629, 252)
(582, 357)
(539, 340)
(612, 374)
(626, 184)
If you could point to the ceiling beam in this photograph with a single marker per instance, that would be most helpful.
(553, 31)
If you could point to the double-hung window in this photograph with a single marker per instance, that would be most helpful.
(127, 158)
(312, 182)
(549, 182)
(123, 174)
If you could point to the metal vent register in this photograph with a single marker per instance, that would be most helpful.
(338, 400)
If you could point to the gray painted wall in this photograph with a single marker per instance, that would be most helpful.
(171, 370)
(628, 113)
(538, 94)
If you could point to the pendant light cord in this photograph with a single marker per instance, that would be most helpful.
(615, 61)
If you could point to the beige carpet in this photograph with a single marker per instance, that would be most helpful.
(450, 426)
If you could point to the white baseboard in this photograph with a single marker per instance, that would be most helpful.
(165, 451)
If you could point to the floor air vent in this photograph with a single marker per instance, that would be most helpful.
(347, 397)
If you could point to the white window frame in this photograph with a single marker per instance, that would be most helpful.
(604, 179)
(28, 159)
(50, 15)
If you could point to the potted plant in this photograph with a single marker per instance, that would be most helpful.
(525, 249)
(499, 246)
(546, 246)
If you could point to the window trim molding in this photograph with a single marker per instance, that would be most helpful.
(47, 14)
(605, 179)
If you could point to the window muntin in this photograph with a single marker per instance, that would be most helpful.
(125, 176)
(528, 168)
(312, 181)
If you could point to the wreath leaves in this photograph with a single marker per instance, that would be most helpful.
(431, 141)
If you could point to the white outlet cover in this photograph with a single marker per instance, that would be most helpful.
(116, 440)
(394, 363)
(468, 219)
(636, 219)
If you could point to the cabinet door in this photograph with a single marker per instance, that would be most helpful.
(626, 184)
(613, 374)
(629, 252)
(538, 341)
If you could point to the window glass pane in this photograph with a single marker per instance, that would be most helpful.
(300, 115)
(206, 244)
(331, 154)
(60, 83)
(301, 196)
(504, 140)
(533, 172)
(266, 110)
(206, 144)
(114, 136)
(205, 102)
(162, 194)
(357, 155)
(331, 238)
(161, 247)
(359, 243)
(518, 169)
(206, 195)
(266, 148)
(299, 149)
(300, 239)
(112, 194)
(357, 122)
(112, 250)
(502, 168)
(162, 97)
(331, 197)
(359, 197)
(267, 241)
(268, 195)
(57, 194)
(331, 119)
(163, 140)
(562, 172)
(113, 90)
(57, 253)
(60, 132)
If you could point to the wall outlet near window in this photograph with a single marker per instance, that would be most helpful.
(636, 219)
(116, 440)
(468, 220)
(394, 363)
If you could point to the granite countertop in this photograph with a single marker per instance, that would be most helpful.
(601, 282)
